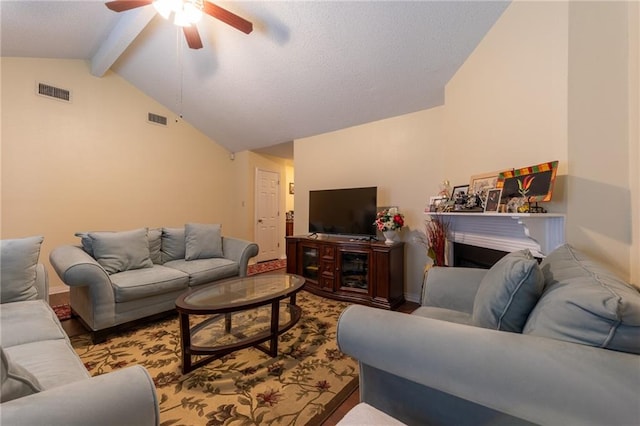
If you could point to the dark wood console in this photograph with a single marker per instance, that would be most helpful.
(370, 273)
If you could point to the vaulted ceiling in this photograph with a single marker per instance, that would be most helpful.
(308, 67)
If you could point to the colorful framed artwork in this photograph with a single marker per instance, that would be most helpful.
(533, 183)
(493, 200)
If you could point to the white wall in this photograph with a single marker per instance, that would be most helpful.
(96, 164)
(400, 155)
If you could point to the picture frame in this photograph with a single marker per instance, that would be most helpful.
(459, 190)
(481, 183)
(533, 183)
(434, 202)
(291, 188)
(493, 200)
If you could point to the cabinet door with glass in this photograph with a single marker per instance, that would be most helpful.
(310, 259)
(354, 271)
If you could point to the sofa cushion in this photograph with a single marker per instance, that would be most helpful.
(173, 244)
(202, 241)
(155, 244)
(29, 321)
(584, 302)
(16, 380)
(143, 283)
(121, 251)
(19, 258)
(204, 271)
(443, 314)
(508, 292)
(52, 362)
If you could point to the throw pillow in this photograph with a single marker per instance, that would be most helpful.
(173, 246)
(121, 251)
(202, 241)
(18, 262)
(155, 243)
(16, 380)
(585, 302)
(508, 293)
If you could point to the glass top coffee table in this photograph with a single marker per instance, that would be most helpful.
(235, 314)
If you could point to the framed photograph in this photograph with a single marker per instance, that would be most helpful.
(435, 202)
(493, 200)
(459, 190)
(534, 183)
(480, 184)
(291, 189)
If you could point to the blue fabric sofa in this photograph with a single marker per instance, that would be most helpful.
(118, 277)
(44, 382)
(556, 343)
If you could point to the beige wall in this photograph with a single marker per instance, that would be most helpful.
(400, 155)
(599, 194)
(96, 164)
(634, 135)
(512, 104)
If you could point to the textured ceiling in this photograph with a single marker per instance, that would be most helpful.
(307, 68)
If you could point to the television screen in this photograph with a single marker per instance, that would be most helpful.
(349, 211)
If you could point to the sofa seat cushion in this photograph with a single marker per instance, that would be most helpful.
(19, 258)
(52, 362)
(28, 321)
(443, 314)
(16, 380)
(204, 271)
(508, 293)
(143, 283)
(586, 303)
(365, 414)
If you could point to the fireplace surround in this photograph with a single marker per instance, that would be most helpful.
(500, 233)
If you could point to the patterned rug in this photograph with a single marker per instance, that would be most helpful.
(270, 265)
(308, 379)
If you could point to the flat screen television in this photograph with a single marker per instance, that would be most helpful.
(348, 211)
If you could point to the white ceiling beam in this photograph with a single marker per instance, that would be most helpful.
(130, 24)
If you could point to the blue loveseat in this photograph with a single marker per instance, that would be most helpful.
(44, 382)
(119, 277)
(556, 343)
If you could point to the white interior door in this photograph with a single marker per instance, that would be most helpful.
(267, 214)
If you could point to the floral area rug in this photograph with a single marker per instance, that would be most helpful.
(308, 379)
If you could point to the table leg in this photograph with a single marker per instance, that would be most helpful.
(275, 322)
(185, 338)
(227, 322)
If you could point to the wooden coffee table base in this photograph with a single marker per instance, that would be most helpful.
(214, 351)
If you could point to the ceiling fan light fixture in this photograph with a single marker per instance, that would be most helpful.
(165, 7)
(193, 11)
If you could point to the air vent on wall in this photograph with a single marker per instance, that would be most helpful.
(54, 92)
(157, 119)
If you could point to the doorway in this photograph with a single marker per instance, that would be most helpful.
(267, 234)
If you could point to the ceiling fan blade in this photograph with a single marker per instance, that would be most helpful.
(227, 17)
(192, 36)
(122, 5)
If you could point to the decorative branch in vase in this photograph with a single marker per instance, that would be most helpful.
(437, 230)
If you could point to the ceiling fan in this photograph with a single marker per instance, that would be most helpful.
(186, 14)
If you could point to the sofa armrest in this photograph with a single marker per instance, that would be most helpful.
(240, 251)
(540, 380)
(42, 282)
(123, 397)
(75, 267)
(452, 288)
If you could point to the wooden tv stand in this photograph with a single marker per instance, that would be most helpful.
(366, 272)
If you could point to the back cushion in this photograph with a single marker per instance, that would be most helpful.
(18, 262)
(508, 293)
(173, 244)
(155, 244)
(586, 303)
(121, 251)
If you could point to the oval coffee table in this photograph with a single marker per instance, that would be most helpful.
(235, 314)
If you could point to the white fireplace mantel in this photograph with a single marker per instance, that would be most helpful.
(539, 232)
